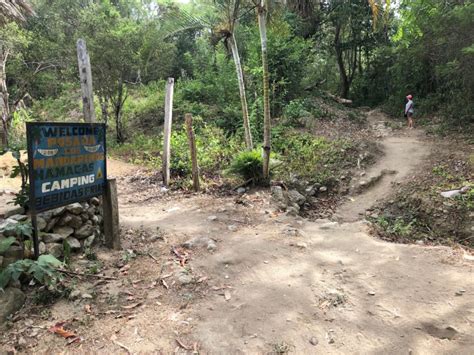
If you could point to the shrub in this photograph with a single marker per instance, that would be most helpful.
(249, 166)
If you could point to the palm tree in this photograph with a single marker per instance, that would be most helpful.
(10, 10)
(225, 29)
(261, 7)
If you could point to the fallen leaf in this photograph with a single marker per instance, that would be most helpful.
(202, 279)
(87, 308)
(74, 340)
(165, 284)
(184, 346)
(58, 328)
(132, 305)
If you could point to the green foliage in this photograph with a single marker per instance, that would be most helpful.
(6, 243)
(249, 166)
(42, 270)
(396, 226)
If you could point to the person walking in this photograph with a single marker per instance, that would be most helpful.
(409, 111)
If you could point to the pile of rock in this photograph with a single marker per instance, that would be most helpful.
(78, 225)
(293, 200)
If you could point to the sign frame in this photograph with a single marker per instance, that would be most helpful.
(31, 203)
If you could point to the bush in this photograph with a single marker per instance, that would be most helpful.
(249, 166)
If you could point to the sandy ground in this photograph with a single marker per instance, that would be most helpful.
(273, 284)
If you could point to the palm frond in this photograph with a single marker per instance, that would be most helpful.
(14, 10)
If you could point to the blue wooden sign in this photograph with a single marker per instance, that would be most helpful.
(67, 163)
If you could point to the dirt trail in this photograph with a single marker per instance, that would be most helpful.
(292, 282)
(403, 153)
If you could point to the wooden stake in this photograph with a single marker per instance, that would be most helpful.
(192, 148)
(111, 216)
(167, 130)
(85, 74)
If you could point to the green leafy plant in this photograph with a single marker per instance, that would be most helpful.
(5, 244)
(44, 270)
(249, 166)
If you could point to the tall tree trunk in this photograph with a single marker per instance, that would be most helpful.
(104, 107)
(243, 96)
(345, 85)
(4, 107)
(119, 101)
(262, 25)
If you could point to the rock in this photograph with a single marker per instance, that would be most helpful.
(8, 227)
(95, 220)
(232, 227)
(42, 248)
(75, 208)
(75, 294)
(309, 191)
(89, 241)
(198, 242)
(19, 217)
(55, 250)
(11, 300)
(293, 210)
(46, 215)
(450, 194)
(323, 189)
(95, 201)
(52, 222)
(211, 245)
(84, 217)
(86, 296)
(41, 223)
(53, 237)
(313, 341)
(91, 211)
(64, 231)
(278, 195)
(74, 244)
(420, 242)
(296, 198)
(302, 245)
(57, 212)
(13, 254)
(65, 219)
(84, 232)
(14, 210)
(74, 221)
(212, 218)
(22, 342)
(241, 190)
(184, 278)
(85, 206)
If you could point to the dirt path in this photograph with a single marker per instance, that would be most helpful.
(284, 284)
(270, 283)
(403, 152)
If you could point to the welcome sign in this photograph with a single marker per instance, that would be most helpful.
(67, 163)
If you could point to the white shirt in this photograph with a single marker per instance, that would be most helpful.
(409, 107)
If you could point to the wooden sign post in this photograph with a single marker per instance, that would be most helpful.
(85, 74)
(167, 130)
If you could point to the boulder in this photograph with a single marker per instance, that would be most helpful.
(57, 212)
(46, 215)
(53, 238)
(296, 198)
(11, 300)
(52, 222)
(75, 222)
(89, 241)
(200, 242)
(55, 250)
(7, 227)
(74, 244)
(14, 210)
(65, 219)
(95, 201)
(19, 217)
(42, 248)
(41, 223)
(84, 217)
(91, 211)
(64, 231)
(13, 254)
(278, 195)
(84, 232)
(75, 208)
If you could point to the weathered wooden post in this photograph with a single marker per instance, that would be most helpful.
(167, 130)
(85, 74)
(192, 148)
(111, 215)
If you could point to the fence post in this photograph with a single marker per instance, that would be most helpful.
(85, 75)
(167, 130)
(192, 148)
(111, 215)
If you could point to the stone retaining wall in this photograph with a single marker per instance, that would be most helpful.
(78, 224)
